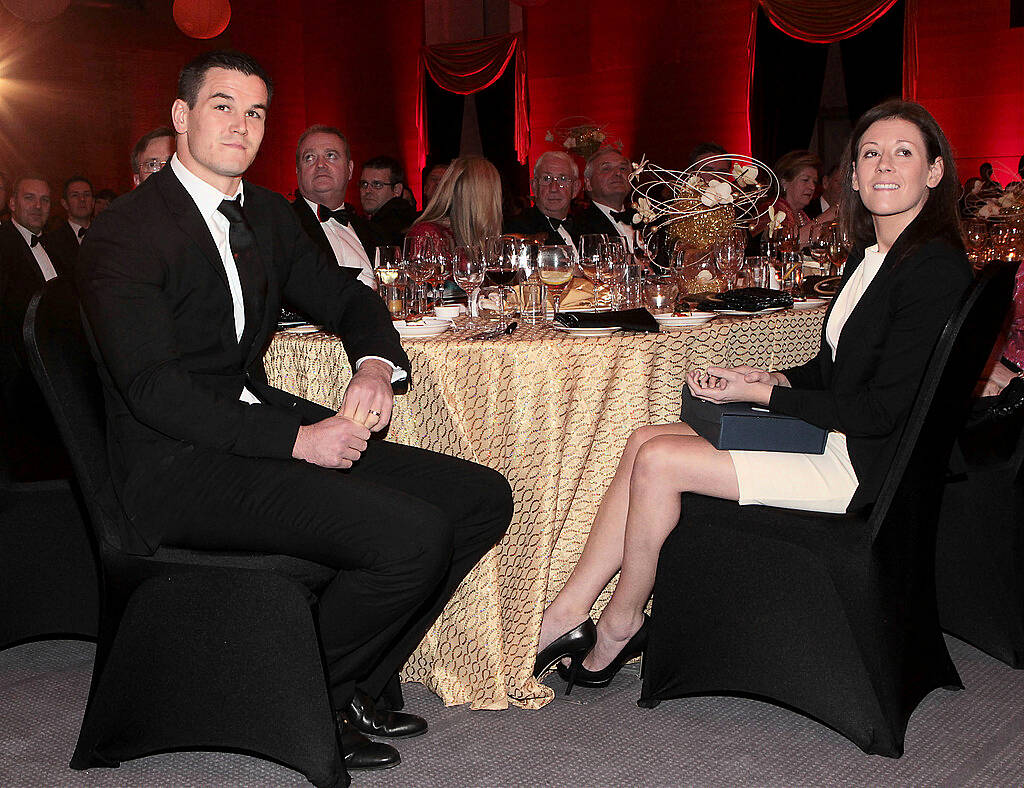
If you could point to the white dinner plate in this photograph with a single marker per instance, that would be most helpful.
(810, 303)
(588, 332)
(431, 329)
(689, 319)
(698, 321)
(741, 313)
(305, 328)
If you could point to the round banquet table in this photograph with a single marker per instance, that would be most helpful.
(552, 412)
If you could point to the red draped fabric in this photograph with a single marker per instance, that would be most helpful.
(470, 66)
(824, 21)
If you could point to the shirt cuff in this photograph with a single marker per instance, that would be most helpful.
(397, 373)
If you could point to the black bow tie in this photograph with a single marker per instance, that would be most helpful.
(35, 240)
(342, 215)
(81, 232)
(626, 217)
(555, 223)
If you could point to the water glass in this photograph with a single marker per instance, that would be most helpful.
(659, 293)
(757, 272)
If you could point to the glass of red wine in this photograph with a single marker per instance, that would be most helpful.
(502, 260)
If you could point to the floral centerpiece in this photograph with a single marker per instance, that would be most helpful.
(581, 136)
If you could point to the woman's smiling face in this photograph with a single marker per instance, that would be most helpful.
(892, 172)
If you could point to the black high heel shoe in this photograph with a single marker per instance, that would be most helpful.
(577, 675)
(575, 644)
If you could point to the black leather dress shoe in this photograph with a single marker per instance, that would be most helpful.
(364, 715)
(361, 753)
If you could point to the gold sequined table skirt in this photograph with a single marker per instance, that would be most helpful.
(552, 412)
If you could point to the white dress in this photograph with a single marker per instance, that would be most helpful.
(811, 482)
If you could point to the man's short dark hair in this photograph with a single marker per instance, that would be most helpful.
(75, 179)
(155, 134)
(705, 150)
(192, 76)
(320, 128)
(105, 194)
(27, 176)
(387, 163)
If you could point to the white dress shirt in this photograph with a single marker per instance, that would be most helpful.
(76, 229)
(348, 249)
(38, 252)
(623, 229)
(563, 232)
(847, 300)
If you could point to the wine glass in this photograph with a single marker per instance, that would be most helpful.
(555, 267)
(421, 262)
(468, 272)
(729, 261)
(388, 269)
(976, 239)
(590, 254)
(501, 259)
(611, 269)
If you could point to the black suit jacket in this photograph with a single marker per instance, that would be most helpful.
(392, 221)
(64, 244)
(533, 222)
(885, 345)
(368, 237)
(592, 220)
(20, 277)
(156, 297)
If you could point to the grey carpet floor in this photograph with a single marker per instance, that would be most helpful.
(592, 738)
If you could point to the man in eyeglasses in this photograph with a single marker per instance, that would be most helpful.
(151, 153)
(380, 193)
(556, 180)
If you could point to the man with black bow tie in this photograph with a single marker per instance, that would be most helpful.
(606, 180)
(323, 167)
(33, 450)
(556, 180)
(181, 281)
(66, 239)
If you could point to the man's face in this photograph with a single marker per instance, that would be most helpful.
(430, 182)
(609, 183)
(554, 185)
(30, 204)
(153, 157)
(78, 202)
(222, 134)
(324, 169)
(376, 188)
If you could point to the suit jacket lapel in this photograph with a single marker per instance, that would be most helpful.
(183, 208)
(258, 306)
(312, 225)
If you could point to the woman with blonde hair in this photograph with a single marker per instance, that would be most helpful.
(466, 208)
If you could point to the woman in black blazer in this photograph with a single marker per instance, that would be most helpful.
(902, 281)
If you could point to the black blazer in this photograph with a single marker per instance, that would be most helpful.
(392, 221)
(592, 220)
(368, 237)
(533, 222)
(885, 345)
(156, 296)
(20, 277)
(64, 243)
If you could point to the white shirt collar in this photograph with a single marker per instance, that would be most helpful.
(605, 209)
(206, 197)
(25, 232)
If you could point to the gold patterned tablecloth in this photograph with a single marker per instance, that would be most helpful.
(552, 412)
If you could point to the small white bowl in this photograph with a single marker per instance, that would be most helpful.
(448, 312)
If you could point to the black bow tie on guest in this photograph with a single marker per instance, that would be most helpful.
(35, 240)
(342, 215)
(626, 217)
(81, 232)
(555, 223)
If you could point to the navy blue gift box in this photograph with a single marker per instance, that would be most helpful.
(740, 425)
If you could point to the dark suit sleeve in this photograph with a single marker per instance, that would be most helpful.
(926, 288)
(122, 286)
(316, 285)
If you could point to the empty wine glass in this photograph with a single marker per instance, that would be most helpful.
(611, 269)
(421, 262)
(468, 272)
(729, 260)
(555, 267)
(590, 254)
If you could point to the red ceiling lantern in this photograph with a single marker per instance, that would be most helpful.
(36, 10)
(202, 18)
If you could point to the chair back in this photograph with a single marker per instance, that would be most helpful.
(913, 485)
(58, 353)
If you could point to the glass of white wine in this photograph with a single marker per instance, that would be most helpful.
(388, 268)
(555, 268)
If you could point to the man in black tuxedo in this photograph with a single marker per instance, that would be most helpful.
(323, 168)
(31, 446)
(380, 193)
(67, 237)
(556, 181)
(606, 179)
(181, 281)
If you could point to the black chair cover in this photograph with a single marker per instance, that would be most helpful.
(196, 650)
(831, 615)
(979, 569)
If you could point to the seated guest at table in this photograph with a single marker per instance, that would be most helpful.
(181, 281)
(151, 153)
(989, 186)
(432, 175)
(68, 235)
(556, 180)
(380, 193)
(606, 180)
(102, 200)
(903, 279)
(709, 150)
(323, 168)
(797, 172)
(465, 208)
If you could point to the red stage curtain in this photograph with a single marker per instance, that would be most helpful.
(471, 66)
(824, 21)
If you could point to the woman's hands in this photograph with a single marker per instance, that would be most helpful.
(734, 384)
